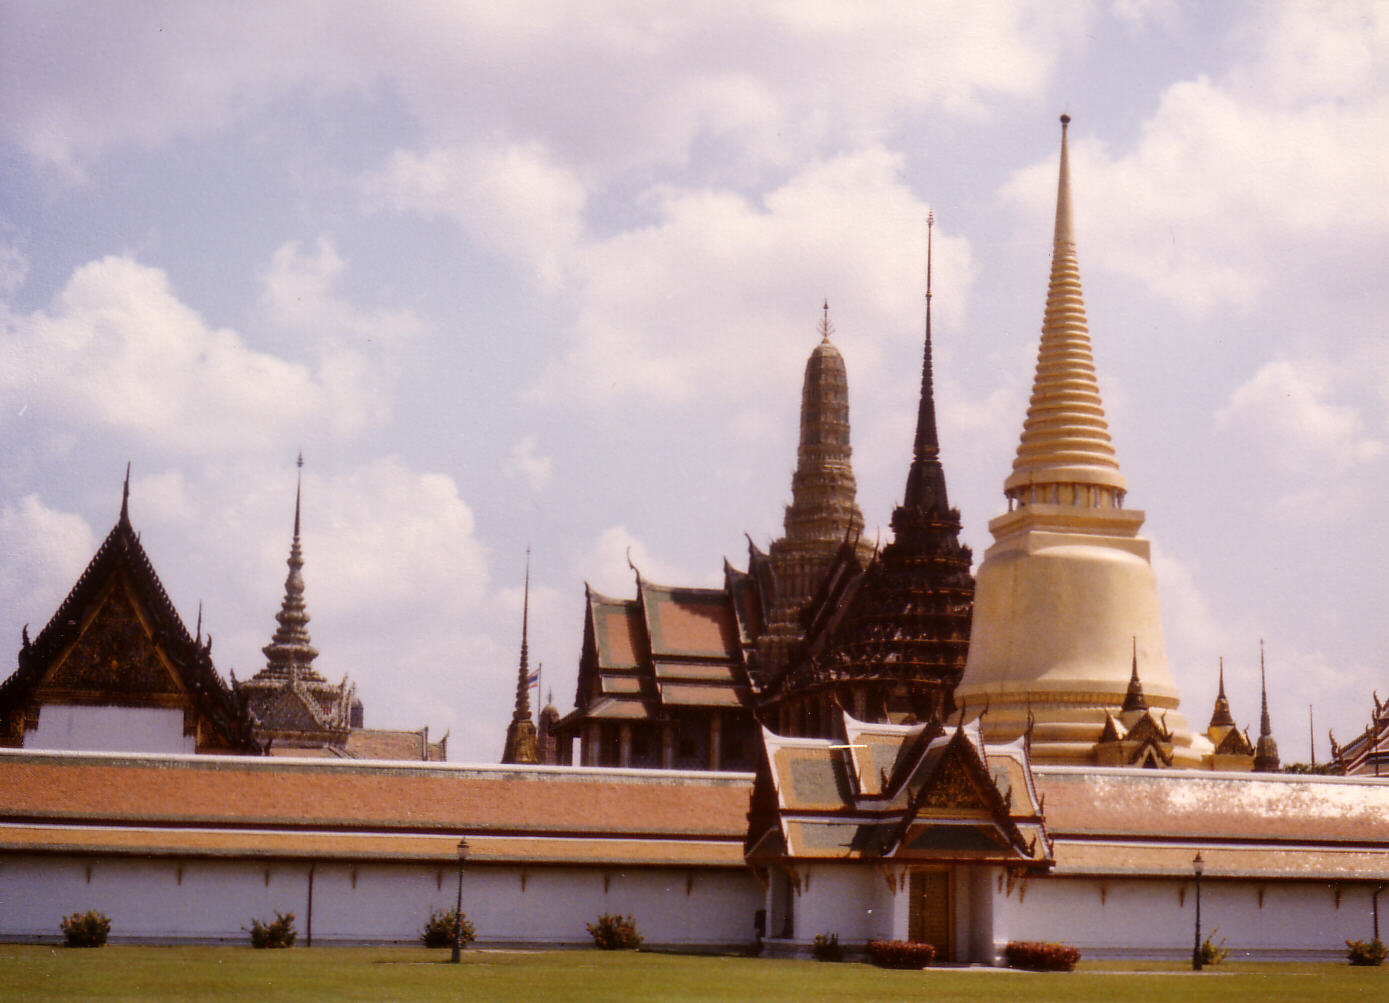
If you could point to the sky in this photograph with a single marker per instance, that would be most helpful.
(546, 275)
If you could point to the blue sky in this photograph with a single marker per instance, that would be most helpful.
(547, 274)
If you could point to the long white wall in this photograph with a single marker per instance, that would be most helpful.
(167, 900)
(1135, 918)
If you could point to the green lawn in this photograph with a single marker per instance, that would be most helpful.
(213, 973)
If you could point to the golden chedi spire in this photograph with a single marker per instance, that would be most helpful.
(1066, 600)
(1065, 446)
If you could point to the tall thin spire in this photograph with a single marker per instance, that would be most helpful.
(1266, 749)
(1065, 455)
(1220, 715)
(523, 686)
(298, 489)
(1134, 700)
(521, 734)
(926, 480)
(290, 652)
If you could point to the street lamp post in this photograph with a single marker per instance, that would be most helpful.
(1198, 865)
(457, 954)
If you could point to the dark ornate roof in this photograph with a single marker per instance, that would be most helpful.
(118, 614)
(905, 619)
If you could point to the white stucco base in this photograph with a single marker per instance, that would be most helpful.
(168, 901)
(111, 729)
(1137, 918)
(1132, 918)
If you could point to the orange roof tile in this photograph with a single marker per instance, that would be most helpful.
(208, 790)
(1170, 804)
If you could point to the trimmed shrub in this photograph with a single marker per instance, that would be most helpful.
(86, 929)
(1211, 952)
(439, 929)
(279, 933)
(900, 953)
(1365, 952)
(1036, 957)
(615, 933)
(827, 947)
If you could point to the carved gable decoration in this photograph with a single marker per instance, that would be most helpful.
(116, 640)
(1146, 729)
(114, 658)
(954, 787)
(1235, 743)
(288, 710)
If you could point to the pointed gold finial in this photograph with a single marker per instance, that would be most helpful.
(826, 328)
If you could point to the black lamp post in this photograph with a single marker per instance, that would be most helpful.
(457, 955)
(1198, 865)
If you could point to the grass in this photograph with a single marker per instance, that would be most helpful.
(217, 973)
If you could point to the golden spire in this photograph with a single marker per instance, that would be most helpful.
(1065, 449)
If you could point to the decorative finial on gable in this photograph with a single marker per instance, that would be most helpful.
(125, 496)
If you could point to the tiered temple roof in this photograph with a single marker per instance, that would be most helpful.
(661, 669)
(914, 793)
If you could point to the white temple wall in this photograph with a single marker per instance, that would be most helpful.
(1141, 918)
(165, 900)
(74, 728)
(974, 913)
(851, 900)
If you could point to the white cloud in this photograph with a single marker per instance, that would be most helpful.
(389, 538)
(1287, 412)
(1230, 175)
(300, 292)
(513, 199)
(529, 464)
(607, 569)
(116, 348)
(614, 86)
(44, 551)
(14, 269)
(707, 299)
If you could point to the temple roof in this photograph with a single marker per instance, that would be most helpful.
(1065, 438)
(905, 617)
(879, 791)
(117, 640)
(669, 647)
(317, 809)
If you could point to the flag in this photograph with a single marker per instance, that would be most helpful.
(533, 679)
